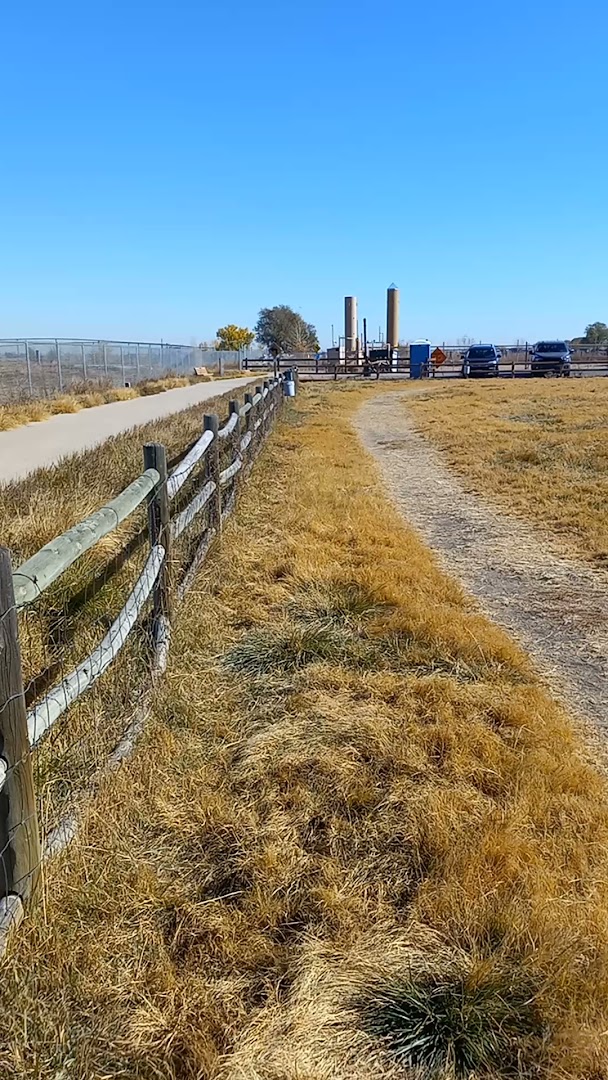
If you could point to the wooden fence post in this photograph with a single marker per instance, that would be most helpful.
(211, 423)
(159, 527)
(249, 401)
(233, 407)
(259, 413)
(266, 406)
(20, 855)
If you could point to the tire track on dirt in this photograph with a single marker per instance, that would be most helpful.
(557, 607)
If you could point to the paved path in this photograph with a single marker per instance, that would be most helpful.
(29, 447)
(556, 606)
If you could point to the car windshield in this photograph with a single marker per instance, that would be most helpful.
(552, 347)
(481, 352)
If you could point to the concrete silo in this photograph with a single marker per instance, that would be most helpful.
(392, 316)
(350, 325)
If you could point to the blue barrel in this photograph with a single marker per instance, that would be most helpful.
(420, 358)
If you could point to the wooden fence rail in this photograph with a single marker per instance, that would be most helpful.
(21, 731)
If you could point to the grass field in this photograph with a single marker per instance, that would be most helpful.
(540, 448)
(358, 837)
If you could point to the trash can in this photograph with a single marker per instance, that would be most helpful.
(420, 359)
(289, 384)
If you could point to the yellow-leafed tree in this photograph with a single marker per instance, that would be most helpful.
(231, 338)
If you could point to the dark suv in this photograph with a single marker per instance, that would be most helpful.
(480, 360)
(551, 358)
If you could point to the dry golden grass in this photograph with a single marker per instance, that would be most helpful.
(85, 397)
(539, 447)
(356, 829)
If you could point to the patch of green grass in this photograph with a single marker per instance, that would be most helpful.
(293, 647)
(454, 1025)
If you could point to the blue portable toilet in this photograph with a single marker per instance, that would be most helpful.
(420, 359)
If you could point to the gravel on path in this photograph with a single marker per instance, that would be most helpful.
(555, 606)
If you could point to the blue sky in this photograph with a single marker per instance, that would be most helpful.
(168, 168)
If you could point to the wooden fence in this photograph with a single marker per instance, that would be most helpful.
(23, 847)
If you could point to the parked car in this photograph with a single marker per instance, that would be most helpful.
(480, 360)
(551, 358)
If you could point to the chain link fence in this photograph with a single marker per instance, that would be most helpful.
(44, 367)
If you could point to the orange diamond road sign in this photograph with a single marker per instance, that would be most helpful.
(438, 356)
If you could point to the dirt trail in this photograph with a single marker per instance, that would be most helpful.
(554, 605)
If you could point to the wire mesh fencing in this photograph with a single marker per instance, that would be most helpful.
(45, 367)
(85, 629)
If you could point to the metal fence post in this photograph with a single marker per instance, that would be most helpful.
(122, 366)
(29, 368)
(137, 362)
(221, 364)
(105, 358)
(19, 835)
(59, 372)
(211, 423)
(84, 362)
(159, 527)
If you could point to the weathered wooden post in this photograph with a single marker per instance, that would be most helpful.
(248, 418)
(266, 407)
(233, 407)
(233, 410)
(211, 423)
(19, 835)
(159, 528)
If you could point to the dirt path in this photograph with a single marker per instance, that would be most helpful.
(27, 448)
(555, 606)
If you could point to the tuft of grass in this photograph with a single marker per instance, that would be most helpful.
(453, 1025)
(290, 648)
(338, 603)
(539, 448)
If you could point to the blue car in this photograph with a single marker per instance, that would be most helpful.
(551, 358)
(480, 360)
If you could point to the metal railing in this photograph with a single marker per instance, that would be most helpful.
(44, 367)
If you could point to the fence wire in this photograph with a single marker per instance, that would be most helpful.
(45, 367)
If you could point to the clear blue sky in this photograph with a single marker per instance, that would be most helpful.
(170, 167)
